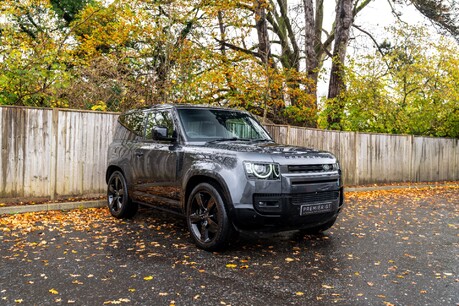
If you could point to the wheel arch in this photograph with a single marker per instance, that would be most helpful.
(210, 178)
(110, 171)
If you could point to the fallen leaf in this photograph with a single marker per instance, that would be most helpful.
(53, 291)
(148, 278)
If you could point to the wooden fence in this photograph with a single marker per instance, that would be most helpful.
(53, 152)
(56, 152)
(380, 158)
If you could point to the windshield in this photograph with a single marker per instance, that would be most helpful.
(220, 124)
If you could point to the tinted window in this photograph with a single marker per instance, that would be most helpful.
(134, 122)
(208, 124)
(159, 119)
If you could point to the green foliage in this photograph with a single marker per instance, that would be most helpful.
(411, 89)
(115, 55)
(67, 10)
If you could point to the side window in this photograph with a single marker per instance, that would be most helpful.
(133, 122)
(159, 122)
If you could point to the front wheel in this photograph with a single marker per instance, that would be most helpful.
(207, 218)
(119, 203)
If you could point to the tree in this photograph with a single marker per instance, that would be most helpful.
(344, 20)
(33, 55)
(409, 88)
(443, 13)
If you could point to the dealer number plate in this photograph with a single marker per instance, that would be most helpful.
(317, 208)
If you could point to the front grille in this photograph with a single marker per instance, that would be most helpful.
(310, 168)
(314, 197)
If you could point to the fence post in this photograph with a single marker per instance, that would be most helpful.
(54, 141)
(288, 135)
(356, 156)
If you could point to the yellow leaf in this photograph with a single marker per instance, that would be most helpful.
(327, 287)
(53, 291)
(288, 259)
(131, 290)
(231, 265)
(299, 293)
(148, 278)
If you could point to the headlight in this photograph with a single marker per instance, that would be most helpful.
(267, 171)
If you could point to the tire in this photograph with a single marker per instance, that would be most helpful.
(318, 229)
(207, 219)
(118, 200)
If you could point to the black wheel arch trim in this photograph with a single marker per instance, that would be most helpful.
(208, 174)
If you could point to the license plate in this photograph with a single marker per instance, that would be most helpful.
(317, 208)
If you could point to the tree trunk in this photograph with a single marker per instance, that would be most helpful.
(261, 25)
(344, 20)
(311, 40)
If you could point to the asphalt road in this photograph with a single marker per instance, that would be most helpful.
(387, 248)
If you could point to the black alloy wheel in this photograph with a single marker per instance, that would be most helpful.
(207, 219)
(119, 203)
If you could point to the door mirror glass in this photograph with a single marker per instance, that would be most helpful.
(160, 133)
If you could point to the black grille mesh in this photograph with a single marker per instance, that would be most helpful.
(309, 168)
(314, 197)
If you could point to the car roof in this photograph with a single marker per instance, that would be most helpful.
(184, 106)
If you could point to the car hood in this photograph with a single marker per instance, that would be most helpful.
(279, 153)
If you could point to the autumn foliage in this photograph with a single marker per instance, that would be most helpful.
(258, 55)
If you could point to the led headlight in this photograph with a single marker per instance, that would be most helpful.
(268, 171)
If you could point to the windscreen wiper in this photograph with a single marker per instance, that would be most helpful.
(262, 140)
(229, 139)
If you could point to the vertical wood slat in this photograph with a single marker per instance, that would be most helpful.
(54, 152)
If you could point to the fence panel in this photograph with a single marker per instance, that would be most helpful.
(53, 152)
(380, 158)
(435, 159)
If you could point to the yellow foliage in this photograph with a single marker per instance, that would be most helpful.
(99, 106)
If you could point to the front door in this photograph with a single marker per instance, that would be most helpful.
(156, 163)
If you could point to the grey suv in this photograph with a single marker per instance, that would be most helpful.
(220, 169)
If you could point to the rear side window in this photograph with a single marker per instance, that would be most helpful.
(133, 122)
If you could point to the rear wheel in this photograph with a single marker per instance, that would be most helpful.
(119, 203)
(207, 218)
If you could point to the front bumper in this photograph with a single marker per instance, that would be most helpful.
(281, 212)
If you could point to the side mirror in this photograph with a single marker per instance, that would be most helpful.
(161, 132)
